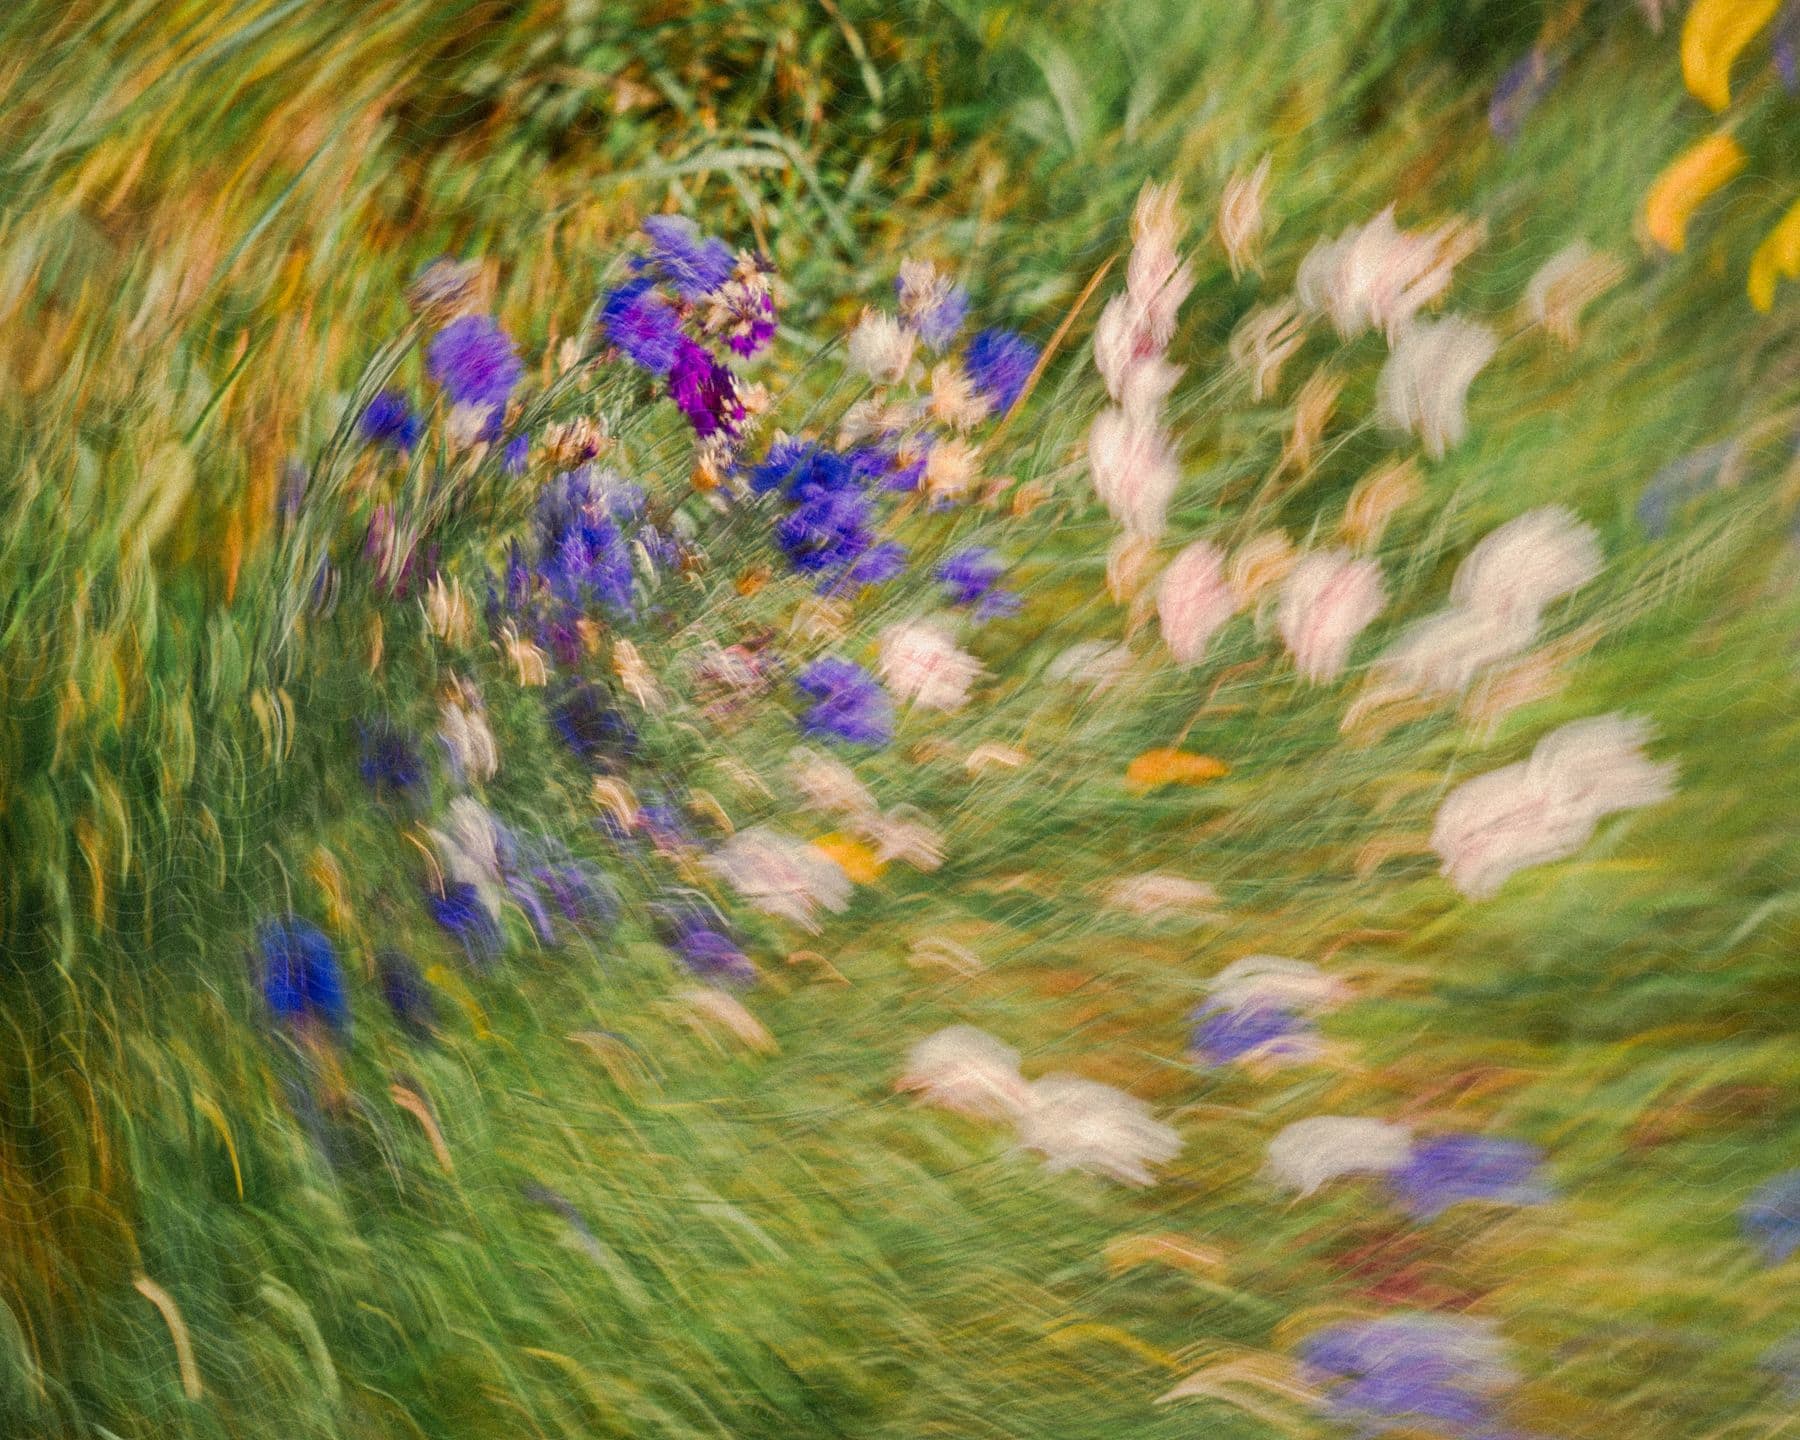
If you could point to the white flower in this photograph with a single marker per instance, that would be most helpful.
(920, 662)
(1096, 663)
(968, 1071)
(950, 469)
(1521, 568)
(447, 611)
(904, 834)
(1155, 895)
(1328, 599)
(1241, 217)
(781, 876)
(881, 347)
(1309, 1153)
(1443, 653)
(463, 729)
(1565, 285)
(1380, 275)
(1194, 601)
(827, 783)
(1546, 808)
(470, 851)
(1274, 982)
(1264, 341)
(1134, 470)
(1424, 385)
(1078, 1124)
(954, 399)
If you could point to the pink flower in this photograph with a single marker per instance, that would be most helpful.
(1134, 469)
(1194, 601)
(1329, 598)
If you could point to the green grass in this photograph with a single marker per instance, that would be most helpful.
(208, 215)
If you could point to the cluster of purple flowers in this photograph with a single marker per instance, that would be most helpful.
(1225, 1034)
(1411, 1372)
(848, 703)
(689, 288)
(972, 577)
(701, 940)
(999, 363)
(1448, 1169)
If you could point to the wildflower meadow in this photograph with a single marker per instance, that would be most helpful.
(938, 718)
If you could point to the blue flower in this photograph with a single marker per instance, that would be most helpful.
(389, 761)
(694, 265)
(459, 909)
(641, 323)
(1771, 1217)
(1448, 1169)
(584, 556)
(850, 703)
(389, 420)
(593, 728)
(301, 977)
(999, 363)
(1409, 1372)
(581, 891)
(1223, 1035)
(407, 993)
(517, 456)
(474, 360)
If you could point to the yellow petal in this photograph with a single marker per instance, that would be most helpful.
(1172, 767)
(1779, 254)
(1691, 177)
(856, 860)
(1714, 35)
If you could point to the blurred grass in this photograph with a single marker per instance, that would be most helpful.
(207, 216)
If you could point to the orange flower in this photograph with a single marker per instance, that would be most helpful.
(1690, 178)
(1172, 767)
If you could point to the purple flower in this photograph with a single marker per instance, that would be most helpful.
(1786, 46)
(517, 455)
(705, 390)
(1409, 1372)
(641, 323)
(301, 977)
(879, 565)
(1448, 1169)
(460, 911)
(694, 265)
(390, 764)
(583, 553)
(849, 703)
(997, 605)
(1519, 92)
(580, 891)
(592, 728)
(1771, 1217)
(407, 993)
(970, 574)
(474, 360)
(698, 936)
(999, 363)
(389, 420)
(1224, 1035)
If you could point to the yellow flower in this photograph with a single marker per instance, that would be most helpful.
(1715, 34)
(1778, 255)
(1691, 177)
(1172, 767)
(855, 859)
